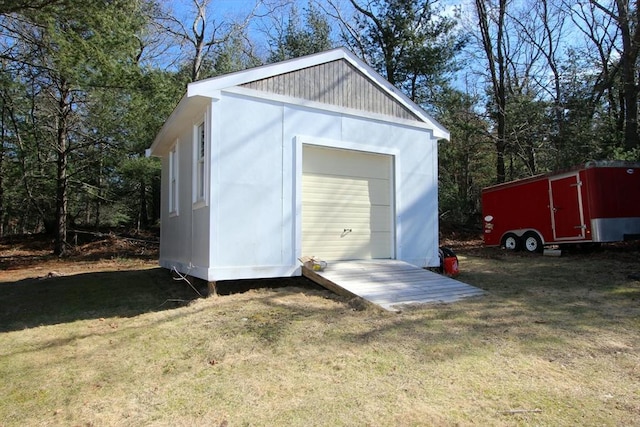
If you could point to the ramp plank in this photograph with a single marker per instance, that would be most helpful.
(390, 283)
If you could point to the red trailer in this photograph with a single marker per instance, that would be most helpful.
(595, 202)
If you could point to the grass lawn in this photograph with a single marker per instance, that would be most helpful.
(555, 342)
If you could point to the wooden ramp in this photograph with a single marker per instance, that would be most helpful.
(390, 283)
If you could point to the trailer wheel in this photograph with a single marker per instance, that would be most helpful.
(511, 242)
(532, 242)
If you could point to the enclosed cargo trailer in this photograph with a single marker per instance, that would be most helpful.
(592, 203)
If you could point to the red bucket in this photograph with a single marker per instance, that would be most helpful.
(449, 262)
(451, 266)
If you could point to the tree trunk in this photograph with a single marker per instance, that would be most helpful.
(64, 108)
(495, 56)
(2, 123)
(199, 26)
(61, 196)
(143, 216)
(155, 199)
(548, 51)
(630, 46)
(99, 191)
(501, 147)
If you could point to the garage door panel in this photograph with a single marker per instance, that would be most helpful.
(370, 191)
(320, 186)
(337, 199)
(346, 190)
(330, 224)
(338, 212)
(327, 161)
(374, 245)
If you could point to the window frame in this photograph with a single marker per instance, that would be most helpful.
(200, 163)
(174, 180)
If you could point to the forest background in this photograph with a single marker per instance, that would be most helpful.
(524, 87)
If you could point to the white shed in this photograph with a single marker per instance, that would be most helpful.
(316, 156)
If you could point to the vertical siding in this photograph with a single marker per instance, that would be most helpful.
(336, 83)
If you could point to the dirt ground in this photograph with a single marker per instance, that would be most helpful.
(30, 256)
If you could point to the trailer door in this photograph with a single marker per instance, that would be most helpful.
(567, 217)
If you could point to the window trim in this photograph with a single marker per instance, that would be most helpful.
(200, 163)
(174, 180)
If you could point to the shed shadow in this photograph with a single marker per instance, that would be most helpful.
(37, 302)
(30, 303)
(230, 287)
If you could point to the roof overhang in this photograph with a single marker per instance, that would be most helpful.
(187, 107)
(201, 92)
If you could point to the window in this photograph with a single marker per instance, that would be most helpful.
(200, 165)
(173, 179)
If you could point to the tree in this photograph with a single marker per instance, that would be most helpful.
(299, 38)
(589, 128)
(465, 160)
(204, 38)
(135, 179)
(235, 55)
(600, 53)
(64, 52)
(541, 26)
(19, 6)
(492, 35)
(409, 42)
(626, 14)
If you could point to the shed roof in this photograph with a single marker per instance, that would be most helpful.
(310, 69)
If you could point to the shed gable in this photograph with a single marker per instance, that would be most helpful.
(336, 83)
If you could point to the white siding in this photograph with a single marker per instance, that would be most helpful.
(184, 242)
(174, 228)
(252, 226)
(247, 187)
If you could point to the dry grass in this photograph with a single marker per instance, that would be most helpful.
(556, 342)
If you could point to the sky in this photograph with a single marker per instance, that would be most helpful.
(238, 10)
(235, 11)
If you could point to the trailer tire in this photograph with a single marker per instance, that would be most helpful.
(532, 242)
(511, 242)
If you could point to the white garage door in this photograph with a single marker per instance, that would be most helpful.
(346, 204)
